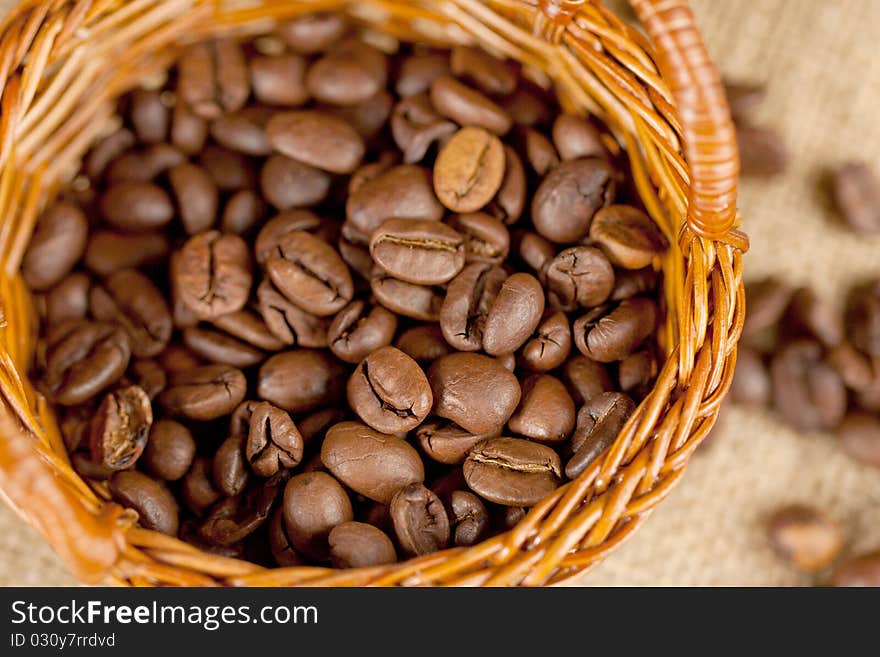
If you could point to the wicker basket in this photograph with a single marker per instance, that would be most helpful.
(63, 62)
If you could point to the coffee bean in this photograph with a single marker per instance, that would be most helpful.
(512, 471)
(535, 251)
(149, 116)
(418, 251)
(636, 373)
(316, 139)
(230, 471)
(627, 235)
(767, 300)
(360, 329)
(106, 151)
(197, 486)
(120, 427)
(301, 380)
(446, 442)
(289, 323)
(805, 537)
(506, 518)
(368, 117)
(235, 518)
(514, 315)
(569, 196)
(863, 319)
(68, 299)
(751, 381)
(598, 423)
(230, 171)
(808, 393)
(421, 302)
(204, 393)
(189, 131)
(550, 344)
(579, 277)
(213, 274)
(349, 74)
(57, 243)
(143, 166)
(608, 333)
(170, 450)
(401, 192)
(416, 126)
(510, 201)
(84, 359)
(859, 435)
(287, 184)
(153, 502)
(196, 195)
(273, 442)
(492, 75)
(177, 358)
(389, 391)
(419, 519)
(136, 206)
(459, 383)
(546, 411)
(857, 196)
(314, 503)
(220, 347)
(469, 170)
(629, 283)
(149, 375)
(469, 299)
(244, 131)
(418, 72)
(310, 273)
(423, 343)
(486, 239)
(371, 463)
(358, 545)
(281, 545)
(862, 571)
(273, 230)
(468, 107)
(853, 367)
(762, 151)
(468, 518)
(539, 151)
(576, 138)
(279, 79)
(527, 105)
(811, 316)
(129, 299)
(109, 251)
(313, 33)
(213, 78)
(743, 98)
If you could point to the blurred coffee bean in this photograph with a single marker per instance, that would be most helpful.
(762, 152)
(856, 190)
(805, 537)
(213, 78)
(808, 393)
(751, 381)
(468, 107)
(859, 436)
(575, 138)
(156, 507)
(57, 243)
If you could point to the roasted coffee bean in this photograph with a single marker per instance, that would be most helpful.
(811, 316)
(853, 366)
(762, 151)
(57, 243)
(273, 230)
(359, 545)
(859, 435)
(229, 468)
(636, 373)
(149, 116)
(751, 381)
(156, 507)
(512, 471)
(419, 519)
(418, 72)
(468, 518)
(367, 118)
(68, 299)
(220, 347)
(86, 468)
(446, 442)
(177, 358)
(514, 315)
(109, 251)
(189, 131)
(314, 503)
(279, 79)
(459, 383)
(317, 139)
(280, 544)
(416, 126)
(534, 251)
(213, 274)
(539, 151)
(806, 537)
(576, 138)
(301, 380)
(389, 391)
(422, 302)
(579, 277)
(418, 251)
(212, 78)
(527, 105)
(129, 299)
(273, 441)
(309, 272)
(808, 393)
(288, 322)
(608, 334)
(313, 33)
(149, 375)
(469, 299)
(857, 195)
(863, 319)
(401, 192)
(423, 343)
(232, 520)
(197, 486)
(508, 517)
(360, 329)
(550, 344)
(468, 107)
(546, 411)
(627, 235)
(469, 170)
(106, 151)
(287, 184)
(204, 393)
(743, 98)
(243, 212)
(349, 74)
(119, 429)
(629, 283)
(244, 131)
(492, 75)
(862, 571)
(510, 201)
(598, 423)
(170, 450)
(136, 206)
(371, 463)
(230, 171)
(767, 300)
(84, 359)
(140, 167)
(569, 196)
(486, 239)
(197, 197)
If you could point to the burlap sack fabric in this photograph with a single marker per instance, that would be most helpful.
(820, 63)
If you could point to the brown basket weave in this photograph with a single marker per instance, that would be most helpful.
(62, 64)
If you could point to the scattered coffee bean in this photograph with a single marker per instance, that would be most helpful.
(806, 537)
(857, 195)
(859, 436)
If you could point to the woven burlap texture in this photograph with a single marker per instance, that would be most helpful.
(820, 62)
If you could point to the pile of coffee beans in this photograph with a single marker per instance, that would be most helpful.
(313, 302)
